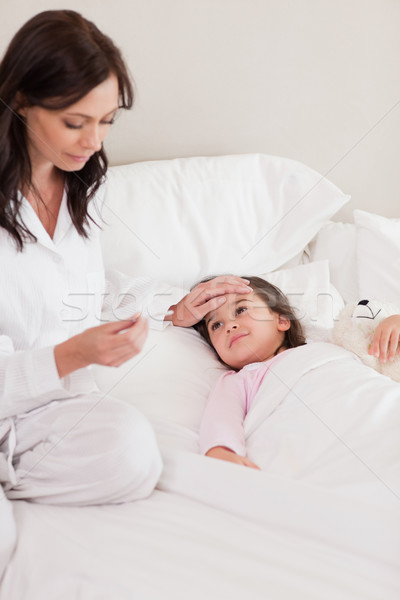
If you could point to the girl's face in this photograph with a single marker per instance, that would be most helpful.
(244, 330)
(67, 138)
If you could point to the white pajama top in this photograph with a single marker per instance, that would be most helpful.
(52, 290)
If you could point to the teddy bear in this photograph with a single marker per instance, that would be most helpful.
(355, 328)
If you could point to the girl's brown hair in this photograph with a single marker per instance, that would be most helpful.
(53, 61)
(277, 302)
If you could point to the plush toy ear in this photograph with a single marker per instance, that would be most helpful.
(367, 309)
(374, 310)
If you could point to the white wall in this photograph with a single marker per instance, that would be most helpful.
(314, 80)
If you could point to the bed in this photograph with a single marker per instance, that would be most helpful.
(321, 520)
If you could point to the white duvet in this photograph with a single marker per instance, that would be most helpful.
(323, 417)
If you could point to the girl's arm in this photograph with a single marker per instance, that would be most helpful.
(385, 342)
(221, 429)
(226, 454)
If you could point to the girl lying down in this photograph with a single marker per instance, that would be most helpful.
(250, 333)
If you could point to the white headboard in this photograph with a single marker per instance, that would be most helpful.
(315, 80)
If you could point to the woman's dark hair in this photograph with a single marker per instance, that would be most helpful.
(277, 302)
(53, 61)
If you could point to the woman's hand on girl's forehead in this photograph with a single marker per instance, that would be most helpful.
(206, 297)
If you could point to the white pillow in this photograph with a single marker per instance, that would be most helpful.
(180, 220)
(336, 242)
(378, 256)
(169, 381)
(316, 301)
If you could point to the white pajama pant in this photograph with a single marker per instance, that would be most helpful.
(85, 450)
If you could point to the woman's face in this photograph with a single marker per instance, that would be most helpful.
(67, 138)
(244, 330)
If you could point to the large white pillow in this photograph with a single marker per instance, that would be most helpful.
(316, 301)
(169, 381)
(180, 220)
(336, 242)
(378, 256)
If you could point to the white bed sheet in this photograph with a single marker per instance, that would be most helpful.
(213, 530)
(327, 529)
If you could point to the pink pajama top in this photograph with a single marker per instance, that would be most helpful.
(228, 404)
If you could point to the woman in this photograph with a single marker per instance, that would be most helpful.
(61, 84)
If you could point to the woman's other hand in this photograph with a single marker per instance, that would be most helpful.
(110, 344)
(206, 297)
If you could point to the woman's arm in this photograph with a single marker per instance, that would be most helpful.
(126, 295)
(32, 378)
(28, 379)
(386, 340)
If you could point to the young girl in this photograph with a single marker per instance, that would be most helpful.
(249, 333)
(62, 82)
